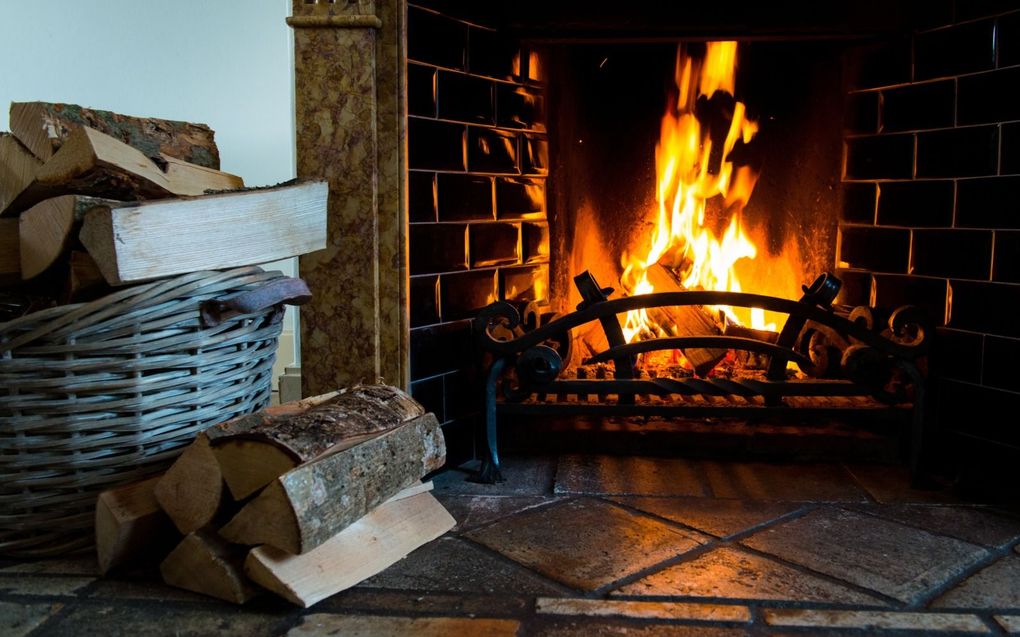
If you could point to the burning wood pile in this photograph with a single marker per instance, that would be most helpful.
(91, 199)
(304, 499)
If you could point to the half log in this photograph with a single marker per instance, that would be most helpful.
(17, 169)
(204, 563)
(131, 526)
(10, 261)
(49, 229)
(191, 491)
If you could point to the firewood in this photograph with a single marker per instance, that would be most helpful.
(164, 238)
(191, 491)
(92, 163)
(306, 506)
(256, 449)
(363, 549)
(84, 280)
(17, 169)
(10, 261)
(43, 127)
(204, 563)
(685, 320)
(130, 525)
(49, 229)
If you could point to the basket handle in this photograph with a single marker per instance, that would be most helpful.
(288, 290)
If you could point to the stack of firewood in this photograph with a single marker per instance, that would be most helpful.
(304, 499)
(91, 199)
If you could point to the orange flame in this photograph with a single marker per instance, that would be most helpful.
(687, 180)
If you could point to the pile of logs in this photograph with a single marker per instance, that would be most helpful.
(304, 499)
(91, 199)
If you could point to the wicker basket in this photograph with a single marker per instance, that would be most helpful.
(104, 393)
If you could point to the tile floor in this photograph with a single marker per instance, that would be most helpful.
(600, 545)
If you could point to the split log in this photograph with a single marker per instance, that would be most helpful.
(10, 261)
(306, 506)
(685, 320)
(204, 563)
(84, 280)
(130, 525)
(363, 549)
(164, 238)
(50, 228)
(17, 169)
(191, 491)
(256, 449)
(43, 127)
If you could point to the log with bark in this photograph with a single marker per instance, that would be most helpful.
(50, 229)
(43, 127)
(308, 505)
(130, 526)
(363, 549)
(17, 169)
(204, 563)
(164, 238)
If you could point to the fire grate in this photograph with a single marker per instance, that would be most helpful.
(848, 359)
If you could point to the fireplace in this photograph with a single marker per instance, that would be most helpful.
(881, 151)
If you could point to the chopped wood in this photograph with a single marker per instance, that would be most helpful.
(10, 261)
(84, 280)
(306, 506)
(130, 525)
(191, 491)
(255, 449)
(43, 127)
(685, 320)
(17, 169)
(164, 238)
(50, 228)
(204, 563)
(363, 549)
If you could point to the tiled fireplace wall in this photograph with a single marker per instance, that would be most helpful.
(932, 204)
(477, 154)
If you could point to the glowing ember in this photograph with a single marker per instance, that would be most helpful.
(690, 172)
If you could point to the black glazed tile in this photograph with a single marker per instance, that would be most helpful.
(421, 90)
(435, 145)
(959, 254)
(464, 197)
(931, 14)
(520, 107)
(985, 307)
(435, 39)
(1007, 32)
(875, 249)
(491, 54)
(421, 197)
(492, 151)
(1007, 257)
(520, 198)
(437, 247)
(460, 441)
(989, 97)
(430, 394)
(463, 294)
(495, 244)
(892, 291)
(918, 106)
(964, 48)
(973, 9)
(525, 284)
(880, 157)
(860, 112)
(960, 152)
(916, 204)
(956, 354)
(977, 411)
(855, 289)
(536, 155)
(1001, 355)
(878, 64)
(535, 242)
(1010, 162)
(440, 348)
(859, 202)
(424, 300)
(988, 203)
(465, 394)
(465, 98)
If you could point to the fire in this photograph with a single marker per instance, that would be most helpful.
(690, 172)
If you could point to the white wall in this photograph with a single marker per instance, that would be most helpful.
(226, 63)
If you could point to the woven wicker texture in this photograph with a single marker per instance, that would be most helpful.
(100, 394)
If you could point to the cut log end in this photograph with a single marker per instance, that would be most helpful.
(191, 491)
(204, 563)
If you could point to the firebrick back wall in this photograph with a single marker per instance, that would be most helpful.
(932, 204)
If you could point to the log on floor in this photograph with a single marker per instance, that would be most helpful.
(43, 127)
(131, 526)
(204, 563)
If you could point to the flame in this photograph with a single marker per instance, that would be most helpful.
(686, 181)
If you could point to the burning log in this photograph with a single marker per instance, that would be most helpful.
(751, 360)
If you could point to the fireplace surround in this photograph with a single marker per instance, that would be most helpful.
(429, 121)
